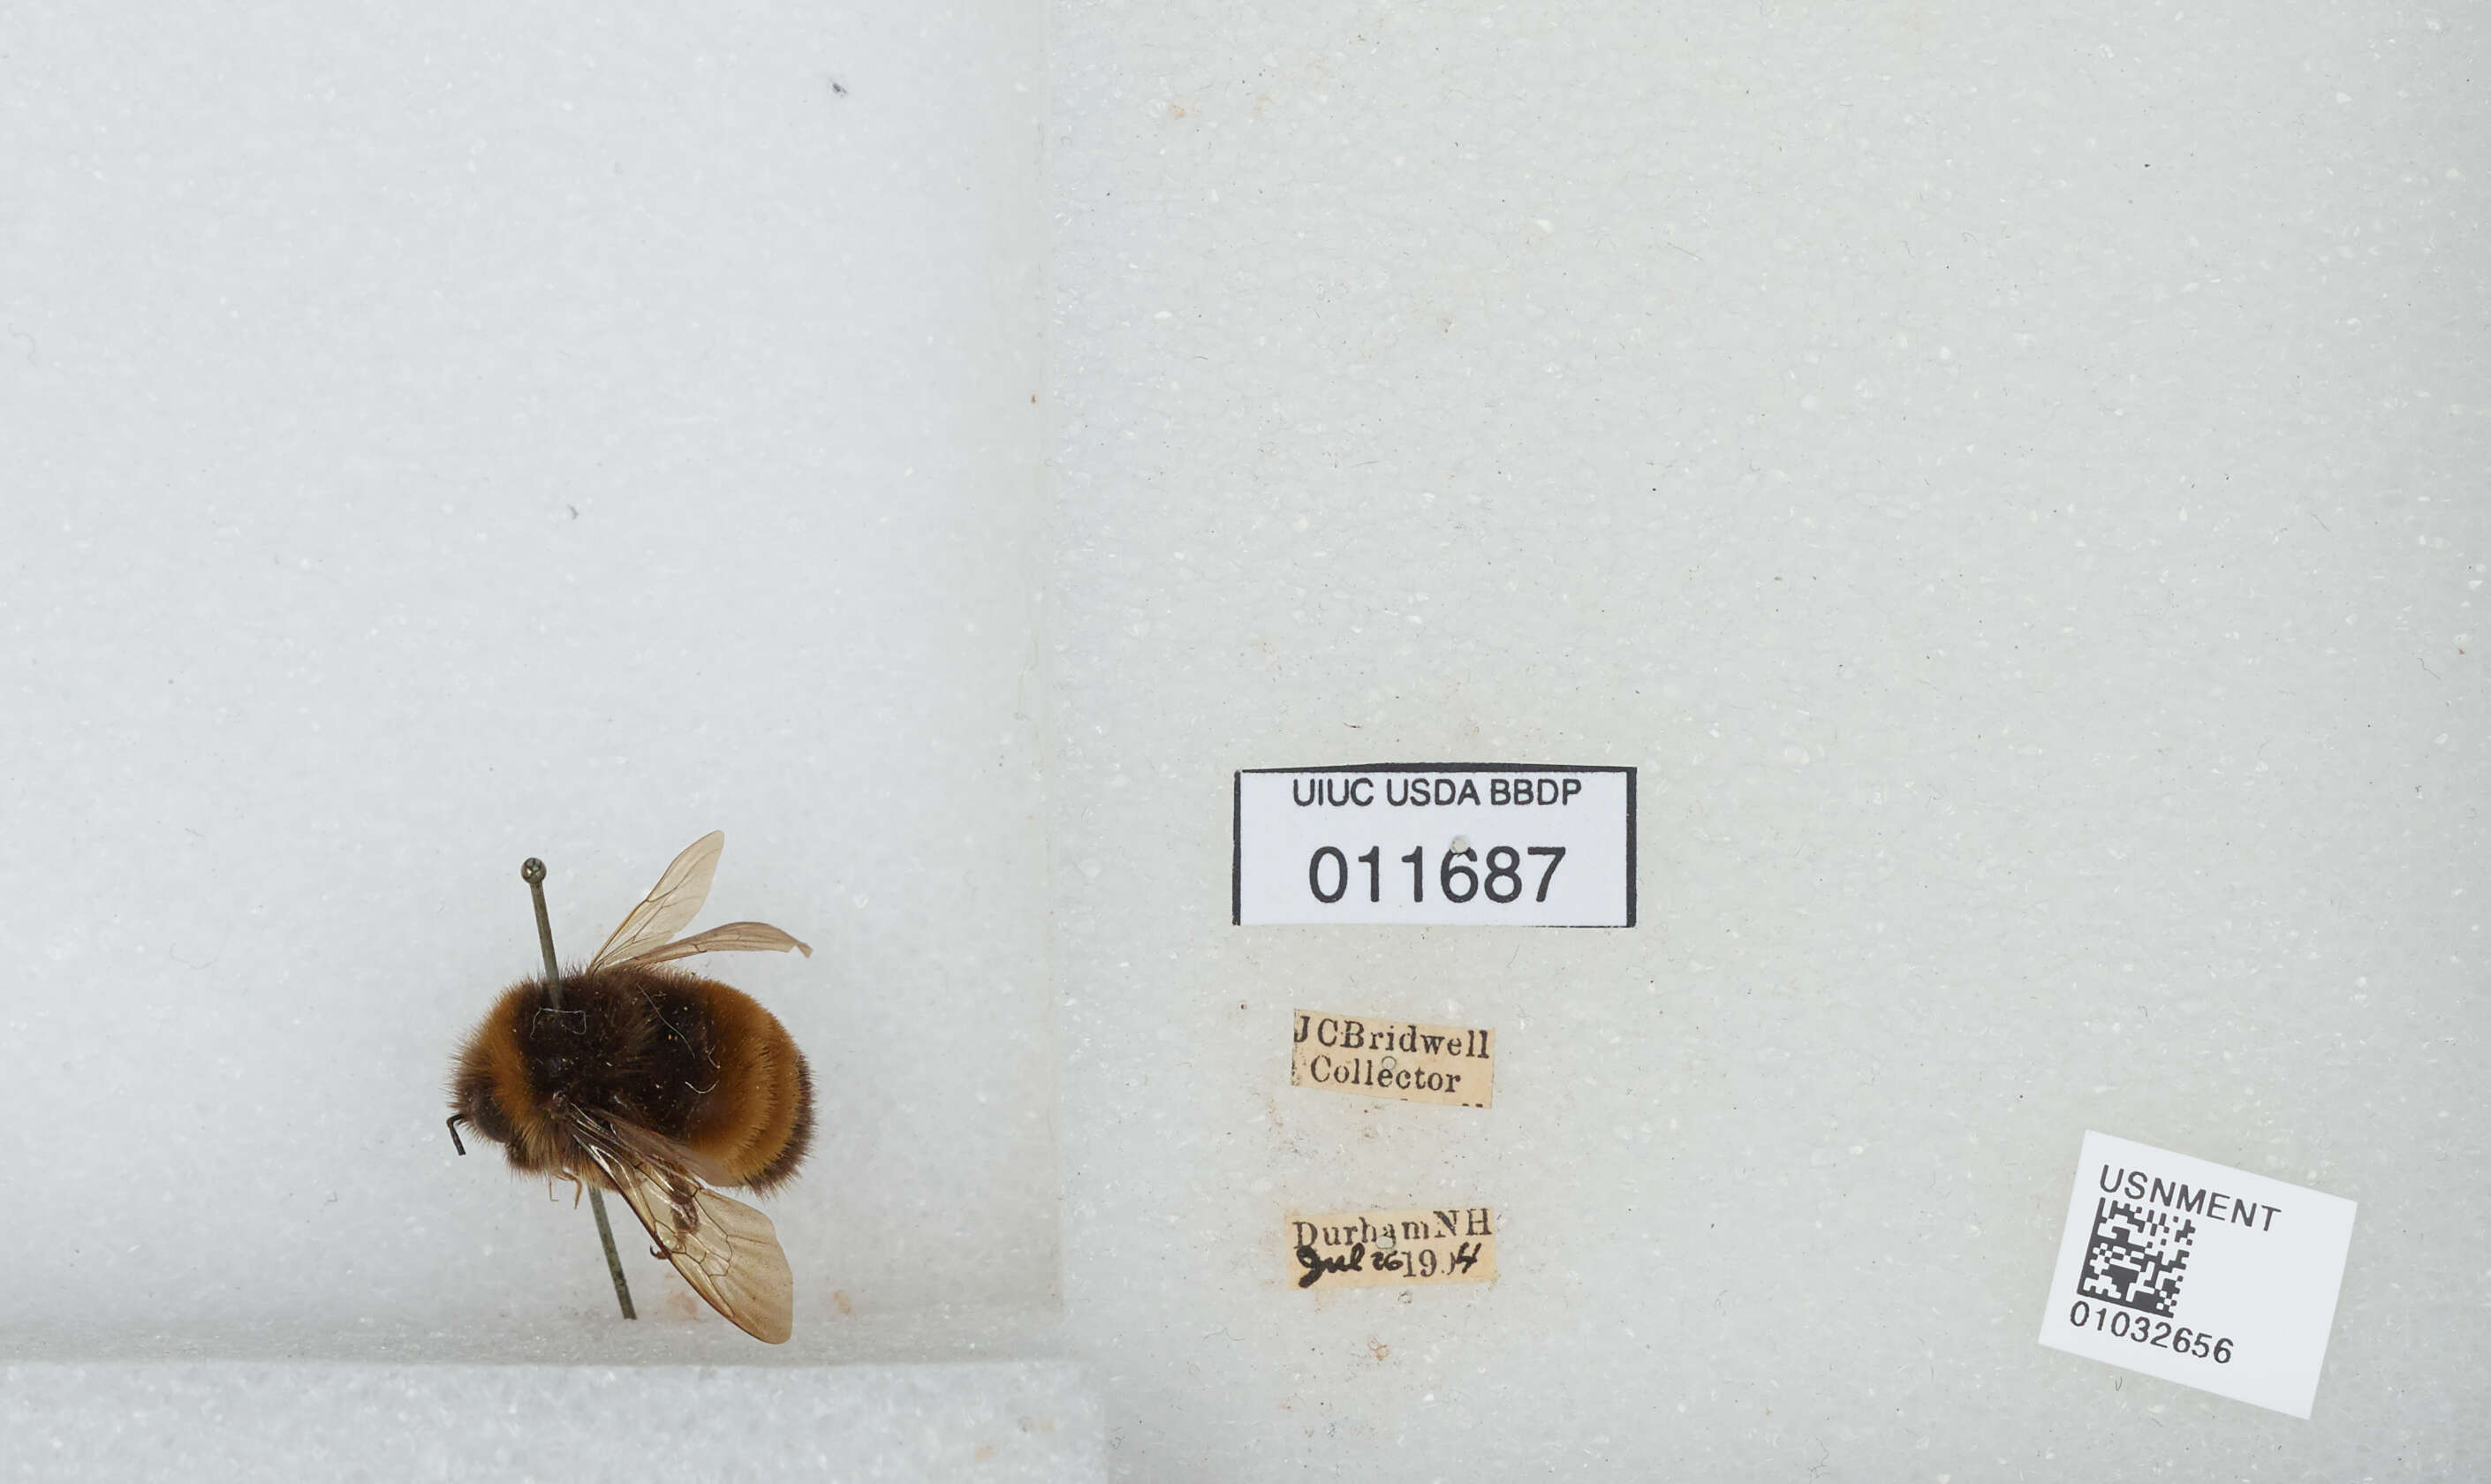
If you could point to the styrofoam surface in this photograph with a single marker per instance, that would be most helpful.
(2005, 479)
(2009, 478)
(1028, 1421)
(440, 435)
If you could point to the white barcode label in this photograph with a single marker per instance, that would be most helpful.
(2199, 1273)
(1472, 844)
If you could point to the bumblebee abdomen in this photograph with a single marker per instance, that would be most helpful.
(758, 1118)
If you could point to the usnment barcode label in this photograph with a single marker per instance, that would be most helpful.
(2199, 1273)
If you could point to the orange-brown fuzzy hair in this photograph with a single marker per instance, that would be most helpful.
(686, 1058)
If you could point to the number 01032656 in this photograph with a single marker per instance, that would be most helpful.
(1485, 844)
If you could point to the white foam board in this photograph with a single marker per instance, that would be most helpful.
(2008, 479)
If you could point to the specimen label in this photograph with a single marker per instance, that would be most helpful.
(1462, 844)
(1393, 1249)
(2199, 1273)
(1384, 1058)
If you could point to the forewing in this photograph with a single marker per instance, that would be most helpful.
(673, 902)
(655, 1149)
(735, 1261)
(727, 1251)
(730, 938)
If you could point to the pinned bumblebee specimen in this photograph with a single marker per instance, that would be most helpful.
(656, 1083)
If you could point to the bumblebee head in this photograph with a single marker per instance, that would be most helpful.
(516, 1068)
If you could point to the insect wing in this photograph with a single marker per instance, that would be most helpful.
(655, 1149)
(727, 1251)
(671, 904)
(732, 937)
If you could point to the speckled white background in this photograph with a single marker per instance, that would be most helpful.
(998, 1424)
(2010, 479)
(441, 434)
(2011, 482)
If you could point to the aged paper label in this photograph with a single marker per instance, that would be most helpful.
(1393, 1249)
(1399, 1059)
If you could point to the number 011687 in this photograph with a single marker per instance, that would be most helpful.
(1516, 845)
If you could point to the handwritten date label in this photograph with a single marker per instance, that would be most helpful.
(1453, 844)
(1393, 1249)
(1380, 1058)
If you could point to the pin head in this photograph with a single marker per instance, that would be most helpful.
(532, 871)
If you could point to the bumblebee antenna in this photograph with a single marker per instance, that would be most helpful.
(532, 872)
